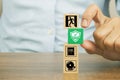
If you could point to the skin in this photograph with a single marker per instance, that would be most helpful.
(106, 35)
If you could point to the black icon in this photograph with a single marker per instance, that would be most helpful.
(70, 65)
(71, 20)
(70, 51)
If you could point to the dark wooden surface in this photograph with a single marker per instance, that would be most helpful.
(48, 66)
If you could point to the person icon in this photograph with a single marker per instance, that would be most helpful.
(71, 21)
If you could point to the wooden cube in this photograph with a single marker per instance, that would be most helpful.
(70, 64)
(71, 20)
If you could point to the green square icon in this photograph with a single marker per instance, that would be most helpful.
(75, 36)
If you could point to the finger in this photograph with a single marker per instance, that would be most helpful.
(101, 33)
(117, 45)
(91, 48)
(109, 41)
(111, 55)
(93, 13)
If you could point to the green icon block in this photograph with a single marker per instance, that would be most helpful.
(75, 36)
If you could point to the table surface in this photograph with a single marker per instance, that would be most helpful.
(47, 66)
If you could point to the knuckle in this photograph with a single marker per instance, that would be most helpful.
(98, 34)
(87, 14)
(116, 18)
(117, 45)
(108, 43)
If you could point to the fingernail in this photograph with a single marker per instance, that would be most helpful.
(84, 23)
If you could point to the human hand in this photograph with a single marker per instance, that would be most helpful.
(106, 35)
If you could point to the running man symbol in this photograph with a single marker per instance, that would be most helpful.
(71, 20)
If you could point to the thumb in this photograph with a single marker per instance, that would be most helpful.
(92, 13)
(91, 47)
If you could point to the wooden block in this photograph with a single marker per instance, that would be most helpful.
(70, 51)
(70, 76)
(70, 64)
(75, 36)
(71, 20)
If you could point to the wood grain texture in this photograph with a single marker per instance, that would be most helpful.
(39, 66)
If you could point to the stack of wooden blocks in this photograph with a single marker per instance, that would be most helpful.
(75, 38)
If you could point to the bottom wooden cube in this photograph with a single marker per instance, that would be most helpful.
(70, 64)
